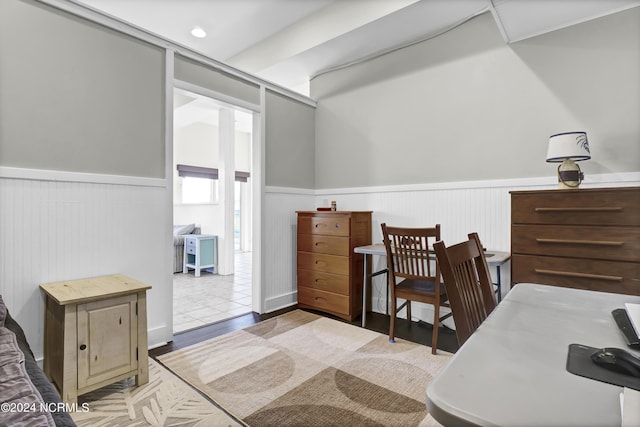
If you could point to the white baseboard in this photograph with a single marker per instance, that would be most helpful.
(159, 336)
(281, 301)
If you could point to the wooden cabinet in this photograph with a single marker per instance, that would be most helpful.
(579, 238)
(329, 273)
(95, 333)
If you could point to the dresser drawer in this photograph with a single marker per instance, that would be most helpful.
(322, 300)
(333, 245)
(607, 243)
(324, 263)
(606, 276)
(335, 283)
(190, 249)
(190, 242)
(577, 207)
(334, 225)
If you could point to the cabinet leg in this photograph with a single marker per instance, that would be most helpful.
(69, 395)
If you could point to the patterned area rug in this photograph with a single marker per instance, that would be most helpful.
(164, 401)
(303, 369)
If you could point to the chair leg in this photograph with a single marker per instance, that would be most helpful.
(392, 322)
(436, 324)
(409, 312)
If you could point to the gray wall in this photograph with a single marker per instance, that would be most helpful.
(467, 106)
(216, 80)
(289, 124)
(75, 96)
(290, 141)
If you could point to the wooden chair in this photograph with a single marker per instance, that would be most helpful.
(412, 276)
(468, 284)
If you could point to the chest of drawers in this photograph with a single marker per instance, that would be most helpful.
(587, 238)
(329, 273)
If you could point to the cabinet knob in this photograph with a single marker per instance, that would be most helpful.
(83, 347)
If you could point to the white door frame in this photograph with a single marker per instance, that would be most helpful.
(257, 171)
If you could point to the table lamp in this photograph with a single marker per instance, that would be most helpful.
(568, 148)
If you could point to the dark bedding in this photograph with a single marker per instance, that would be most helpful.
(38, 378)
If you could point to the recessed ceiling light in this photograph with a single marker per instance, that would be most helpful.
(198, 32)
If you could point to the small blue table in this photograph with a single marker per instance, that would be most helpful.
(200, 253)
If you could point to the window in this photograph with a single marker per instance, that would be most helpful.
(198, 184)
(199, 190)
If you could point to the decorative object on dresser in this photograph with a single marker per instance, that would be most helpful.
(567, 147)
(586, 239)
(200, 253)
(329, 272)
(95, 333)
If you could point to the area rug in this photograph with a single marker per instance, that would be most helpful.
(301, 369)
(164, 401)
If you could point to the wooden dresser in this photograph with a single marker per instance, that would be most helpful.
(578, 238)
(329, 273)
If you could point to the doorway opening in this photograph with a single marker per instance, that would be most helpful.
(212, 156)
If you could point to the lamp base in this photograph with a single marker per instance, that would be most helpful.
(569, 174)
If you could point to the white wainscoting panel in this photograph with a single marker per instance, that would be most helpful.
(280, 237)
(54, 230)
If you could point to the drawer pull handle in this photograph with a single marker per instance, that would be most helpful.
(580, 275)
(581, 242)
(83, 347)
(569, 209)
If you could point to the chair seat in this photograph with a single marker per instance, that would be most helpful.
(419, 287)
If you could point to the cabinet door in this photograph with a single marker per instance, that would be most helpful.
(107, 339)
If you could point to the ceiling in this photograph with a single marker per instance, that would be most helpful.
(288, 42)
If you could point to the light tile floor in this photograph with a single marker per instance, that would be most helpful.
(199, 301)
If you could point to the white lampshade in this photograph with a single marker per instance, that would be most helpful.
(568, 145)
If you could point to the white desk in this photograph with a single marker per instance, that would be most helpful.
(512, 370)
(494, 258)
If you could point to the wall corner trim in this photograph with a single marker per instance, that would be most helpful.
(608, 179)
(68, 176)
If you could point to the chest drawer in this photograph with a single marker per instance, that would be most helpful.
(335, 283)
(323, 263)
(334, 225)
(334, 245)
(609, 243)
(190, 242)
(577, 207)
(597, 275)
(327, 301)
